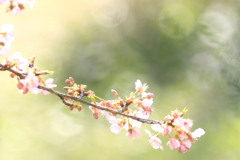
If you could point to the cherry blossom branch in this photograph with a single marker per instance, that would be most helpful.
(29, 78)
(62, 96)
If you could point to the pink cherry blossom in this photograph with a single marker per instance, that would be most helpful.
(140, 88)
(144, 106)
(6, 38)
(168, 118)
(49, 84)
(179, 122)
(154, 140)
(21, 62)
(198, 133)
(176, 113)
(164, 128)
(115, 128)
(184, 146)
(146, 111)
(184, 124)
(173, 143)
(187, 125)
(109, 104)
(35, 90)
(133, 132)
(29, 83)
(7, 32)
(111, 119)
(116, 125)
(182, 134)
(147, 102)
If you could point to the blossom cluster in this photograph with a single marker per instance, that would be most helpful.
(178, 131)
(17, 6)
(174, 126)
(142, 106)
(17, 63)
(32, 75)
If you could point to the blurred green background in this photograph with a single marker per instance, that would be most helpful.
(186, 51)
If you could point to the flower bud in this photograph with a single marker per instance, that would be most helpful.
(70, 81)
(95, 115)
(79, 109)
(129, 100)
(67, 81)
(20, 85)
(12, 75)
(115, 93)
(66, 88)
(70, 108)
(21, 6)
(150, 95)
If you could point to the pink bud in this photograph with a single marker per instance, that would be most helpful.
(95, 115)
(70, 108)
(71, 81)
(115, 93)
(20, 85)
(79, 109)
(24, 90)
(67, 81)
(150, 95)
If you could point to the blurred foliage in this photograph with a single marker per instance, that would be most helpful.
(186, 51)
